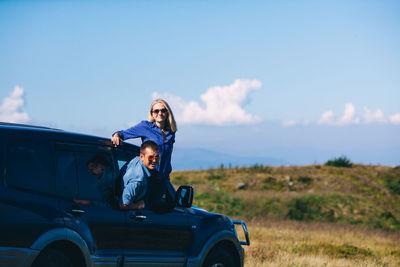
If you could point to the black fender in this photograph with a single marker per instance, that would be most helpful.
(213, 241)
(59, 234)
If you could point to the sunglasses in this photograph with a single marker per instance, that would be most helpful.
(156, 111)
(151, 157)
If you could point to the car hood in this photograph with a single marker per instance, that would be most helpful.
(206, 216)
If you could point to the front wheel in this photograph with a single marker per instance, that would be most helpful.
(219, 257)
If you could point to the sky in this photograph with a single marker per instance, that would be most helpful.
(300, 81)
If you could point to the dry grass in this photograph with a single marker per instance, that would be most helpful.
(291, 243)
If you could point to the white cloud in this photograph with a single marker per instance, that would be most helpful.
(370, 117)
(289, 123)
(327, 117)
(11, 109)
(221, 105)
(395, 119)
(348, 115)
(347, 118)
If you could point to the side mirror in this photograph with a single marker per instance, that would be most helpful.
(184, 196)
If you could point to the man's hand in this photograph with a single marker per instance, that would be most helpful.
(134, 206)
(115, 139)
(138, 205)
(82, 201)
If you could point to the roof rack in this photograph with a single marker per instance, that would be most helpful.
(28, 126)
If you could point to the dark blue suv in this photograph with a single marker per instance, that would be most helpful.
(55, 212)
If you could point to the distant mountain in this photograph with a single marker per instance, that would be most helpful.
(199, 158)
(203, 158)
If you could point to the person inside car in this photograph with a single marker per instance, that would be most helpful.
(99, 167)
(135, 180)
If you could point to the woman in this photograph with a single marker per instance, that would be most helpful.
(160, 128)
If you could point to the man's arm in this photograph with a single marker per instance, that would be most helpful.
(132, 193)
(134, 206)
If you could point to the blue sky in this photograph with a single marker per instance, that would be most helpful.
(303, 81)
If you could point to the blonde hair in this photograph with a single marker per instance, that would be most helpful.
(170, 121)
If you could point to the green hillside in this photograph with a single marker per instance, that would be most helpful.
(359, 194)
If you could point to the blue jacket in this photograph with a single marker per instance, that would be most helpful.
(149, 131)
(134, 182)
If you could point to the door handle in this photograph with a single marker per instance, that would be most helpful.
(75, 212)
(138, 217)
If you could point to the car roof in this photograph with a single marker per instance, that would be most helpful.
(9, 125)
(72, 136)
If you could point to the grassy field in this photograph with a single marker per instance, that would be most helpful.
(308, 216)
(290, 243)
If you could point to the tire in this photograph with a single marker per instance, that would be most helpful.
(219, 257)
(52, 258)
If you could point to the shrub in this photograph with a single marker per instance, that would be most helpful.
(341, 251)
(258, 168)
(305, 180)
(216, 175)
(393, 184)
(346, 251)
(179, 180)
(220, 202)
(271, 183)
(342, 161)
(309, 208)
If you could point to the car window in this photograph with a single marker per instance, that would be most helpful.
(86, 177)
(121, 163)
(66, 183)
(30, 166)
(95, 182)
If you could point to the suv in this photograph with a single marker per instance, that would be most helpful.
(56, 212)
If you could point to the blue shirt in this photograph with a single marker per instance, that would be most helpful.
(149, 131)
(134, 182)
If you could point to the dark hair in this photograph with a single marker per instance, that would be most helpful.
(99, 158)
(147, 144)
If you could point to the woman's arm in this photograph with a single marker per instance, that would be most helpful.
(136, 131)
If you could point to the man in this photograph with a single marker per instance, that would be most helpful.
(135, 179)
(98, 166)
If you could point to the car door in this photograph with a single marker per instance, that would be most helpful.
(159, 239)
(85, 210)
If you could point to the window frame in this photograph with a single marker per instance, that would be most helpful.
(76, 148)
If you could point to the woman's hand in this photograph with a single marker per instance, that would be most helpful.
(115, 139)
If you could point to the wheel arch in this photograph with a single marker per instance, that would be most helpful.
(70, 250)
(228, 246)
(65, 240)
(224, 239)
